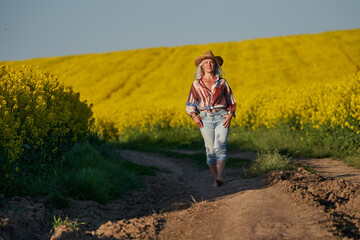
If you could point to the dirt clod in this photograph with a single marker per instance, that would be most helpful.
(23, 218)
(339, 198)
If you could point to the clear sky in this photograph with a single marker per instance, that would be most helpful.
(45, 28)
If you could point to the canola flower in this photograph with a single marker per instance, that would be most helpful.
(39, 116)
(331, 105)
(301, 80)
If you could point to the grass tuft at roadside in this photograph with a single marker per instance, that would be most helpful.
(266, 162)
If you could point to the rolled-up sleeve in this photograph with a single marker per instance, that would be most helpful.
(191, 103)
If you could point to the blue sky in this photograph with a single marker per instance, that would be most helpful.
(45, 28)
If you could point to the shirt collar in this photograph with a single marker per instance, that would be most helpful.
(217, 78)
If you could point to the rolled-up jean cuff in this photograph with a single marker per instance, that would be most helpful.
(213, 162)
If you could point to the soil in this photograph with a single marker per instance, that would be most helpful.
(180, 203)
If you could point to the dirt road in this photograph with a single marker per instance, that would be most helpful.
(180, 203)
(245, 208)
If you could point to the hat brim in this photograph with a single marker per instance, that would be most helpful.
(218, 59)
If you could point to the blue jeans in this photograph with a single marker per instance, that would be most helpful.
(215, 136)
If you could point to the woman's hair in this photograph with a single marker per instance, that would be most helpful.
(200, 72)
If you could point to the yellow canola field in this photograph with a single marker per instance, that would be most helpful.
(331, 105)
(301, 79)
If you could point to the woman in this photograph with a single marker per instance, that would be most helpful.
(211, 104)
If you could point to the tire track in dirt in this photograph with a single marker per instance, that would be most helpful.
(333, 168)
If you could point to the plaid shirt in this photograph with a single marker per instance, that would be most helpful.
(202, 98)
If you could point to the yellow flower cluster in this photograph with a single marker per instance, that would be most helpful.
(146, 119)
(38, 114)
(330, 105)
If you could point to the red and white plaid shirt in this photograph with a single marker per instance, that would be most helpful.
(202, 98)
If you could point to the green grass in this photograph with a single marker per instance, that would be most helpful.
(91, 170)
(267, 162)
(100, 174)
(319, 143)
(158, 138)
(74, 225)
(238, 162)
(353, 161)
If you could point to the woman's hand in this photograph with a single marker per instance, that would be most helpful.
(227, 122)
(198, 121)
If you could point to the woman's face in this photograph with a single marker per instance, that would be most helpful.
(209, 65)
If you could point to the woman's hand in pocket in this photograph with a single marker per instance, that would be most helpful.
(227, 122)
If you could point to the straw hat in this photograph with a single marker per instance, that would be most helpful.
(208, 54)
